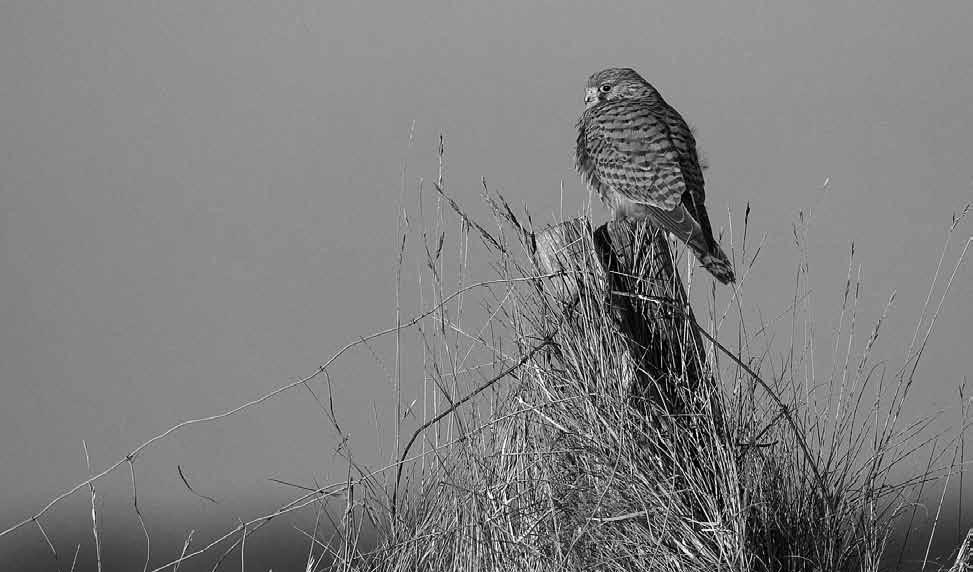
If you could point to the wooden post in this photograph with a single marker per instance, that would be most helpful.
(630, 266)
(565, 249)
(619, 297)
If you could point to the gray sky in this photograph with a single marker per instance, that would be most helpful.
(198, 200)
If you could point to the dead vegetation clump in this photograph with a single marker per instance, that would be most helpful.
(628, 438)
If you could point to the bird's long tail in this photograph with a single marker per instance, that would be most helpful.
(681, 224)
(715, 260)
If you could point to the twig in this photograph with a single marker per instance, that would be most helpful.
(243, 548)
(94, 517)
(185, 547)
(185, 481)
(939, 510)
(49, 544)
(138, 513)
(74, 562)
(485, 385)
(783, 409)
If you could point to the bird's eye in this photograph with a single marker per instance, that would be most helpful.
(605, 88)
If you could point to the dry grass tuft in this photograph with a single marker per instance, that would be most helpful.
(616, 444)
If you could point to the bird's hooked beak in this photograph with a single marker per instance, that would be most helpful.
(590, 96)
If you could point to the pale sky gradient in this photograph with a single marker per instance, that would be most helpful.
(198, 200)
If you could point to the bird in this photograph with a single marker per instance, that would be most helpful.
(639, 155)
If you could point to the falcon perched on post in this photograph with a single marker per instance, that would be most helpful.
(639, 155)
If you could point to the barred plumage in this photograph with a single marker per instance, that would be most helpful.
(639, 155)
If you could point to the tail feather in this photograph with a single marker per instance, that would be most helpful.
(716, 262)
(680, 223)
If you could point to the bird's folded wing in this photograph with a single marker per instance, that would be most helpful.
(659, 184)
(680, 223)
(632, 153)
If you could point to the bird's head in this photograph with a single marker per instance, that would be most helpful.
(616, 83)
